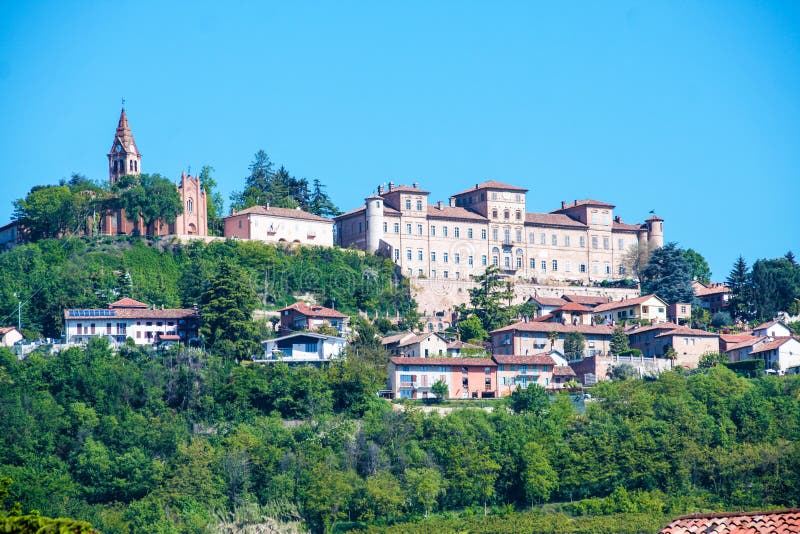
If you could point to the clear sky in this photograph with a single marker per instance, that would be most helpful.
(688, 108)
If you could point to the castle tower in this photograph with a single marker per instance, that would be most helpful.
(655, 232)
(374, 216)
(124, 157)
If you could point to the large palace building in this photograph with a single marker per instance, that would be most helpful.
(487, 225)
(125, 159)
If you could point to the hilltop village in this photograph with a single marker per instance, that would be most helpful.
(571, 273)
(166, 367)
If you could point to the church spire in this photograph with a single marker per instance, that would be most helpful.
(124, 157)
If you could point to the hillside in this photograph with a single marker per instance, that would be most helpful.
(51, 275)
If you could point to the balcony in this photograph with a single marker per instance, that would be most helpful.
(413, 385)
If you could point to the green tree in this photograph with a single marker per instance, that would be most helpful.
(668, 275)
(700, 269)
(47, 211)
(320, 203)
(539, 477)
(214, 203)
(490, 299)
(533, 399)
(226, 308)
(574, 345)
(425, 485)
(619, 341)
(151, 197)
(711, 359)
(441, 390)
(775, 284)
(740, 303)
(256, 184)
(471, 329)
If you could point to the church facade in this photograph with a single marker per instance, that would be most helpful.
(124, 159)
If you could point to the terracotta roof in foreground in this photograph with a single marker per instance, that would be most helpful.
(573, 307)
(280, 212)
(702, 291)
(776, 521)
(548, 301)
(491, 184)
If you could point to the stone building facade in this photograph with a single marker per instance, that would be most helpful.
(124, 158)
(487, 225)
(279, 225)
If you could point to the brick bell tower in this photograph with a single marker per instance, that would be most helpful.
(124, 157)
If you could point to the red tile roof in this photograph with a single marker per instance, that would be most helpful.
(573, 307)
(685, 331)
(548, 301)
(754, 340)
(736, 338)
(586, 300)
(764, 326)
(553, 219)
(394, 338)
(127, 303)
(453, 345)
(6, 329)
(701, 291)
(618, 226)
(132, 313)
(387, 211)
(586, 202)
(776, 342)
(404, 189)
(544, 318)
(557, 327)
(453, 362)
(563, 370)
(624, 303)
(636, 329)
(447, 212)
(280, 212)
(528, 359)
(313, 311)
(776, 521)
(491, 184)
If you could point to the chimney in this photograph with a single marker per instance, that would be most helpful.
(440, 205)
(391, 186)
(576, 201)
(476, 186)
(563, 204)
(380, 189)
(415, 185)
(452, 202)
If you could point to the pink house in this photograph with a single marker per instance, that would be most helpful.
(522, 371)
(466, 378)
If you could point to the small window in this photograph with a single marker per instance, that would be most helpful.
(385, 226)
(408, 229)
(555, 265)
(444, 231)
(419, 205)
(456, 232)
(445, 257)
(408, 203)
(419, 229)
(544, 265)
(483, 260)
(554, 240)
(469, 233)
(433, 257)
(419, 254)
(483, 233)
(494, 214)
(397, 228)
(582, 242)
(433, 230)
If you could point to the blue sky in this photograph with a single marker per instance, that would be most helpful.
(688, 108)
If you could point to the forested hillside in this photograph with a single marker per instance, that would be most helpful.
(51, 275)
(138, 441)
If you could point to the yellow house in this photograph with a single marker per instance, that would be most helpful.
(647, 307)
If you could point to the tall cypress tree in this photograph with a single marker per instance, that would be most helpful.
(740, 303)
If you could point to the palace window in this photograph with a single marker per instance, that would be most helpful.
(385, 226)
(419, 205)
(544, 265)
(582, 242)
(419, 229)
(419, 254)
(555, 265)
(483, 233)
(408, 203)
(483, 260)
(494, 214)
(445, 257)
(566, 240)
(469, 233)
(397, 228)
(444, 231)
(408, 229)
(456, 232)
(433, 257)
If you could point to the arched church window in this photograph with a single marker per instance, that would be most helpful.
(130, 165)
(189, 205)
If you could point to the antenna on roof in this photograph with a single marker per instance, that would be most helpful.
(123, 102)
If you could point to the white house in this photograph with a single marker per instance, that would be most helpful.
(781, 354)
(772, 329)
(647, 307)
(303, 347)
(279, 225)
(128, 318)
